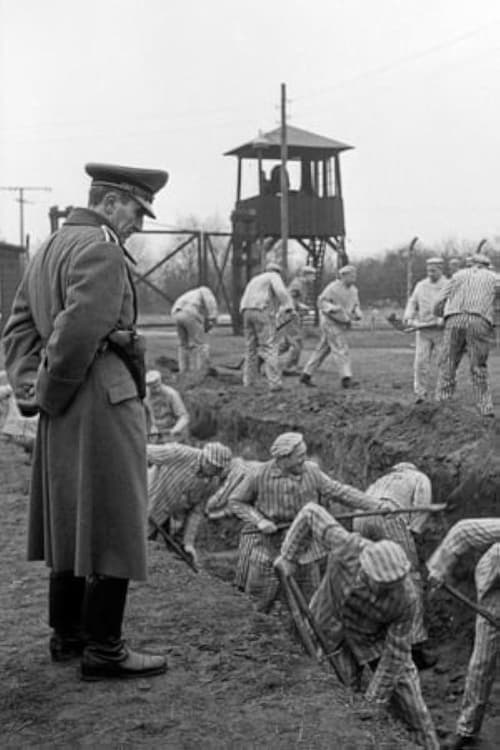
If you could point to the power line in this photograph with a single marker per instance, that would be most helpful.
(451, 42)
(22, 200)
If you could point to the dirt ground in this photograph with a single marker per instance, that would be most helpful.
(237, 679)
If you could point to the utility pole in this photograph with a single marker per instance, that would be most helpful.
(22, 200)
(284, 184)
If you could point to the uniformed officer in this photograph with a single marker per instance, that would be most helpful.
(71, 353)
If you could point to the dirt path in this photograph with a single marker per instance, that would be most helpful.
(235, 681)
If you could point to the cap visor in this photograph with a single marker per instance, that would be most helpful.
(146, 207)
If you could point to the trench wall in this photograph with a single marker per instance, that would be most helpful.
(357, 441)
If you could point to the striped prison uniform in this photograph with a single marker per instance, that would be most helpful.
(176, 488)
(193, 313)
(469, 308)
(397, 530)
(240, 469)
(338, 306)
(420, 310)
(166, 410)
(404, 486)
(479, 535)
(263, 297)
(371, 628)
(271, 494)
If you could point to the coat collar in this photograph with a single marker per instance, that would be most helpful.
(89, 218)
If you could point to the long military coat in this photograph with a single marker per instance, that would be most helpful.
(89, 488)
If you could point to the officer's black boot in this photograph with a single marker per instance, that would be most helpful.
(66, 593)
(106, 655)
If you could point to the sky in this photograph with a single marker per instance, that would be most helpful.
(413, 85)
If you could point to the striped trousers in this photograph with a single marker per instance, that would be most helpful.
(255, 572)
(471, 333)
(481, 670)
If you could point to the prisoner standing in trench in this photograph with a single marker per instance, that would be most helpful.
(216, 507)
(71, 353)
(404, 486)
(272, 495)
(481, 535)
(366, 605)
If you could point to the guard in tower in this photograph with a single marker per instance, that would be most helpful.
(265, 295)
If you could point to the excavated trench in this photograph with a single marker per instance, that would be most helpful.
(356, 440)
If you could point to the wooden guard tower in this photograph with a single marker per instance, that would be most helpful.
(315, 205)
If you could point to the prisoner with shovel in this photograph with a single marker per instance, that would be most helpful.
(272, 495)
(366, 606)
(481, 535)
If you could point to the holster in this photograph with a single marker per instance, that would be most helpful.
(129, 346)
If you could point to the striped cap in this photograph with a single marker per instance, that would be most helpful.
(152, 377)
(404, 465)
(481, 259)
(286, 444)
(384, 561)
(435, 261)
(346, 269)
(217, 454)
(272, 266)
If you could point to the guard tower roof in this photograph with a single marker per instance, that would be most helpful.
(301, 143)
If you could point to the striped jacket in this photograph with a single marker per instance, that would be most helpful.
(374, 625)
(472, 291)
(176, 487)
(268, 493)
(406, 486)
(470, 534)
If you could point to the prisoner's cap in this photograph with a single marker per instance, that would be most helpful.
(435, 261)
(272, 266)
(384, 561)
(481, 259)
(217, 454)
(404, 465)
(153, 377)
(308, 270)
(140, 184)
(346, 269)
(286, 443)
